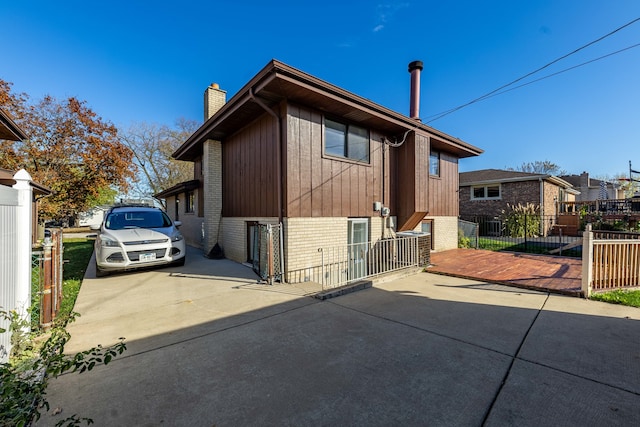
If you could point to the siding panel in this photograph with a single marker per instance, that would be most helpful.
(443, 196)
(247, 190)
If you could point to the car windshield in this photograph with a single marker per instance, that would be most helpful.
(137, 219)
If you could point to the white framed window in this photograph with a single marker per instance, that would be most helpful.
(434, 163)
(486, 192)
(348, 141)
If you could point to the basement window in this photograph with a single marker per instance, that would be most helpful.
(486, 192)
(347, 141)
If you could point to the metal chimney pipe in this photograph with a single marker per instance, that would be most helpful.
(414, 108)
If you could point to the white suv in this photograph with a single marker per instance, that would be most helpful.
(137, 236)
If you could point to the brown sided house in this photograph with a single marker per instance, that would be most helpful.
(330, 166)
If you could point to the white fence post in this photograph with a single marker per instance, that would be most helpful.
(23, 244)
(587, 261)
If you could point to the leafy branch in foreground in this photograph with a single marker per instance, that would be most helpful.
(33, 361)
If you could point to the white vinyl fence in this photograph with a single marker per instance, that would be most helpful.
(15, 253)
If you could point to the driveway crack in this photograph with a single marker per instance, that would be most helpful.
(513, 359)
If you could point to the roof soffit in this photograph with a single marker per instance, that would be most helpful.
(278, 82)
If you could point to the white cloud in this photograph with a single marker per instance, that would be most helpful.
(385, 13)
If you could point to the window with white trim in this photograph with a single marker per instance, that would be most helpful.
(486, 192)
(434, 163)
(344, 140)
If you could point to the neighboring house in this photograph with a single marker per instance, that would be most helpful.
(332, 167)
(592, 189)
(487, 192)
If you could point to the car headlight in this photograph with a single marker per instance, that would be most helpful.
(177, 237)
(106, 242)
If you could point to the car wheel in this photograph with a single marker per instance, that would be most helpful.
(180, 262)
(101, 273)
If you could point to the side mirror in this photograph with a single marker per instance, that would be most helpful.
(95, 227)
(177, 223)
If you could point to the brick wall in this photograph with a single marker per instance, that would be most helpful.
(444, 233)
(304, 236)
(302, 239)
(511, 193)
(191, 227)
(212, 186)
(214, 99)
(233, 236)
(551, 194)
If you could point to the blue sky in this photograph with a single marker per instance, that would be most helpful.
(143, 61)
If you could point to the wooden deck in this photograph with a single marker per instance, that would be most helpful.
(539, 272)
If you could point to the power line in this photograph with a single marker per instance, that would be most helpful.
(562, 71)
(500, 89)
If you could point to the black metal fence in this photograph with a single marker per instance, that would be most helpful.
(539, 234)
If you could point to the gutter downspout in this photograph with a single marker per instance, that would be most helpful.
(279, 140)
(541, 196)
(258, 101)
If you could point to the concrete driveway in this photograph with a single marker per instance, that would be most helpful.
(207, 345)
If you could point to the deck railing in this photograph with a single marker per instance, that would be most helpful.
(609, 264)
(611, 207)
(342, 265)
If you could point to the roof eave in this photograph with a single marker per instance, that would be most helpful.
(278, 70)
(553, 179)
(9, 129)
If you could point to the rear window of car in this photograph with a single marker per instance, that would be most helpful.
(137, 219)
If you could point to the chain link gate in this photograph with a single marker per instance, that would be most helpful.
(268, 263)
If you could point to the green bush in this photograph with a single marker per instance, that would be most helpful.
(33, 361)
(463, 241)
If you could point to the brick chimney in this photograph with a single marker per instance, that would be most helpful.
(585, 182)
(415, 68)
(214, 99)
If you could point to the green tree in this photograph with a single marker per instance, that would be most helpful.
(69, 149)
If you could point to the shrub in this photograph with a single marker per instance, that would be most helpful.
(463, 241)
(33, 361)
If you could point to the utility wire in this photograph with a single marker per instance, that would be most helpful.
(495, 91)
(547, 76)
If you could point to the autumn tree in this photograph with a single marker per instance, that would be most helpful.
(542, 167)
(68, 148)
(152, 145)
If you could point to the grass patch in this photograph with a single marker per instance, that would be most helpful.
(77, 254)
(515, 246)
(493, 245)
(630, 298)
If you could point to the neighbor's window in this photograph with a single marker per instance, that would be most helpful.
(189, 199)
(486, 192)
(434, 163)
(348, 141)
